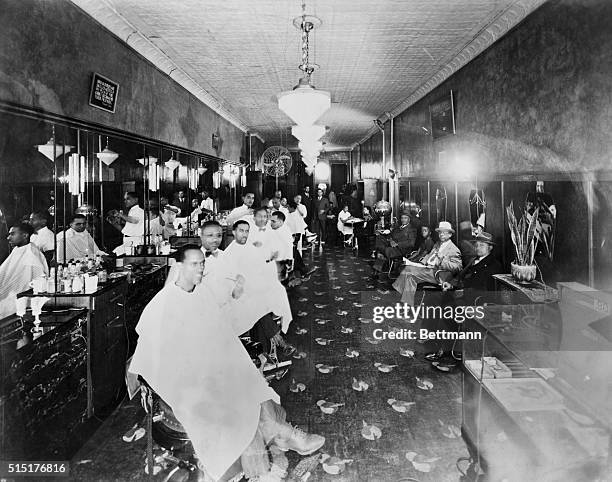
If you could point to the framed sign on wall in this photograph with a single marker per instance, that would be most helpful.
(442, 114)
(103, 94)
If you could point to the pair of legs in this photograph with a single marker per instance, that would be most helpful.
(319, 227)
(267, 332)
(409, 278)
(273, 437)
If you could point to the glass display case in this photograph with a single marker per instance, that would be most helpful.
(537, 391)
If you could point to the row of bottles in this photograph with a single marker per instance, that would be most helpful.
(75, 277)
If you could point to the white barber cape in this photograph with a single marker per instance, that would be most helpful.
(269, 244)
(284, 242)
(195, 362)
(24, 264)
(220, 278)
(78, 245)
(246, 260)
(236, 214)
(44, 239)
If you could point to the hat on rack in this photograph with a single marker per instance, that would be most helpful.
(445, 226)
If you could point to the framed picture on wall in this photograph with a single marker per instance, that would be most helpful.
(103, 93)
(442, 114)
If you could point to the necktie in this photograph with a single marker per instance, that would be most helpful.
(262, 229)
(210, 253)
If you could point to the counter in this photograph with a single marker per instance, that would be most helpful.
(540, 407)
(43, 384)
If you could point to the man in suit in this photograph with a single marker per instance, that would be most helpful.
(400, 241)
(444, 256)
(320, 207)
(464, 288)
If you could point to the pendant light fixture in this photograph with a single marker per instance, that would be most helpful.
(107, 156)
(172, 163)
(308, 133)
(202, 168)
(51, 150)
(305, 104)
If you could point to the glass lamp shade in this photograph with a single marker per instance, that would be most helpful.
(107, 156)
(172, 164)
(202, 170)
(308, 133)
(51, 150)
(310, 146)
(304, 104)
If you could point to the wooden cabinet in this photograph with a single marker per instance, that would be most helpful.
(43, 385)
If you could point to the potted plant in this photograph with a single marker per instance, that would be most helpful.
(523, 233)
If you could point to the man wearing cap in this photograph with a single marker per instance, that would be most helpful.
(163, 225)
(444, 256)
(474, 279)
(400, 241)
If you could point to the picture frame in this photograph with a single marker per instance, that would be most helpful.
(103, 93)
(442, 116)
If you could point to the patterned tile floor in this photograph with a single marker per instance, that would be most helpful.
(336, 305)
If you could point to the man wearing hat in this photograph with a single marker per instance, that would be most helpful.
(478, 274)
(444, 256)
(474, 279)
(163, 225)
(400, 241)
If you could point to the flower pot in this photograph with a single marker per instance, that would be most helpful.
(523, 273)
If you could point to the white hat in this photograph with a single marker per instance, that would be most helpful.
(445, 226)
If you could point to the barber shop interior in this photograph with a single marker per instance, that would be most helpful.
(291, 240)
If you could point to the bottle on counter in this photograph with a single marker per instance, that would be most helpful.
(102, 276)
(51, 281)
(77, 284)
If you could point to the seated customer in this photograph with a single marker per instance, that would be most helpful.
(195, 362)
(79, 243)
(400, 241)
(24, 264)
(444, 256)
(425, 245)
(475, 278)
(343, 228)
(163, 224)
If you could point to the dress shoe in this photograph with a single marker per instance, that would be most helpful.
(299, 441)
(445, 366)
(435, 356)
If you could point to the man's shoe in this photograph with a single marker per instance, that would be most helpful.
(301, 442)
(444, 366)
(435, 356)
(289, 350)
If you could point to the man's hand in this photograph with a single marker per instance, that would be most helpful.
(446, 286)
(393, 244)
(238, 287)
(257, 244)
(274, 255)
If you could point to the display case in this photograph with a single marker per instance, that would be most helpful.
(536, 393)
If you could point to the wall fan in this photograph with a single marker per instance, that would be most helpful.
(276, 161)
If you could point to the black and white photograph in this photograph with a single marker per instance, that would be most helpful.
(306, 240)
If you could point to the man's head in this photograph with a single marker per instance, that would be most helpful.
(276, 204)
(307, 189)
(404, 219)
(278, 219)
(483, 244)
(248, 199)
(181, 194)
(191, 268)
(283, 202)
(319, 192)
(38, 220)
(278, 194)
(211, 235)
(345, 208)
(130, 198)
(261, 216)
(297, 199)
(204, 194)
(241, 231)
(19, 234)
(169, 214)
(78, 223)
(445, 231)
(291, 206)
(425, 232)
(194, 203)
